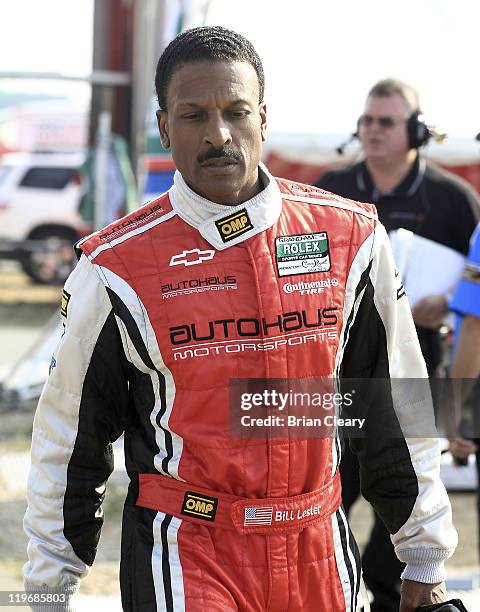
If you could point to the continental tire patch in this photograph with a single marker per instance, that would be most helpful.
(302, 254)
(234, 225)
(199, 506)
(64, 303)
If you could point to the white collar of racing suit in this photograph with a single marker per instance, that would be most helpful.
(263, 209)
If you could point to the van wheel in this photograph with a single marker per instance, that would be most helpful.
(51, 257)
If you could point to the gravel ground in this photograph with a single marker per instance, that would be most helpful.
(103, 579)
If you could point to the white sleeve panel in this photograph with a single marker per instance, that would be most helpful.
(428, 537)
(52, 561)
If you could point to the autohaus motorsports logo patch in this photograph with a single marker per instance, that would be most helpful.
(302, 254)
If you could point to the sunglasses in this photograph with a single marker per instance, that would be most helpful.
(384, 122)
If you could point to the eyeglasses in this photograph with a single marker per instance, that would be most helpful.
(386, 122)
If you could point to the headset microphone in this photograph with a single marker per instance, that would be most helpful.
(438, 136)
(341, 148)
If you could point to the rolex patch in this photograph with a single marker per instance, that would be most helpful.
(302, 254)
(234, 225)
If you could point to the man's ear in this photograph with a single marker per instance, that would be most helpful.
(263, 119)
(163, 128)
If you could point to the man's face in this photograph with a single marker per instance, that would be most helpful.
(388, 142)
(215, 127)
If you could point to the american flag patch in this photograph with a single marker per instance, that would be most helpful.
(258, 516)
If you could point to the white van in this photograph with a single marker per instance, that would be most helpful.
(40, 196)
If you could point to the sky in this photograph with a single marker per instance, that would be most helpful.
(46, 36)
(320, 56)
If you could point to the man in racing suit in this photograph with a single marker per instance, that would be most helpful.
(230, 275)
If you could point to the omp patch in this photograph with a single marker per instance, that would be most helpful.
(302, 254)
(234, 225)
(199, 506)
(471, 273)
(64, 303)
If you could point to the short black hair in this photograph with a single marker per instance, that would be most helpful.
(206, 43)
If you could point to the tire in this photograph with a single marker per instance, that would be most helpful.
(52, 257)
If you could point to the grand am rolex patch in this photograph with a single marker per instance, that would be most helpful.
(199, 505)
(234, 225)
(302, 254)
(64, 303)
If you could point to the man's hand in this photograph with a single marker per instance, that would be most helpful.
(461, 449)
(430, 311)
(414, 594)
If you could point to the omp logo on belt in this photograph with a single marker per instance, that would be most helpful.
(64, 303)
(234, 225)
(199, 506)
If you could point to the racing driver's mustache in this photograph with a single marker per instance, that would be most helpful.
(225, 152)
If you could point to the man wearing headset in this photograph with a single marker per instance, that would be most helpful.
(409, 192)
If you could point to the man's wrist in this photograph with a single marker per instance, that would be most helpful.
(415, 594)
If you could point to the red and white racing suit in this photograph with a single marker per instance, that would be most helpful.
(164, 309)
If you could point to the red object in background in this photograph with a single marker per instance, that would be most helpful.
(159, 164)
(469, 172)
(112, 50)
(4, 149)
(309, 173)
(295, 170)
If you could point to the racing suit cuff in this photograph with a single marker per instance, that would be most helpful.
(51, 599)
(424, 564)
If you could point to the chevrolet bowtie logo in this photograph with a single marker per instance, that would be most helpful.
(190, 258)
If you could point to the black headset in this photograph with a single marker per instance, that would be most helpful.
(417, 130)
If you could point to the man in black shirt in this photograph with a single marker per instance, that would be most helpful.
(415, 194)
